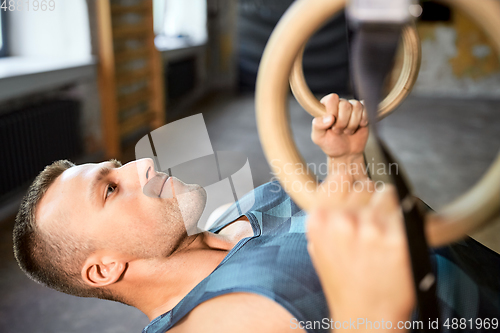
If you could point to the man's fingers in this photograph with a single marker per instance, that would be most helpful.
(319, 127)
(347, 115)
(331, 103)
(369, 228)
(342, 116)
(364, 118)
(385, 203)
(356, 116)
(344, 225)
(359, 196)
(385, 199)
(323, 123)
(345, 110)
(316, 224)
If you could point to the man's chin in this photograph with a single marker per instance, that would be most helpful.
(191, 199)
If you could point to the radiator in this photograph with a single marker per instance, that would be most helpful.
(35, 136)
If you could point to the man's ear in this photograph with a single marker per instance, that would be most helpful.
(101, 271)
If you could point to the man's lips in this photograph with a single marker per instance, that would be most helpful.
(163, 185)
(154, 186)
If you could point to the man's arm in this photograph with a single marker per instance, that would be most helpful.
(342, 135)
(357, 240)
(238, 312)
(360, 252)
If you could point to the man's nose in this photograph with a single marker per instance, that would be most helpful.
(144, 170)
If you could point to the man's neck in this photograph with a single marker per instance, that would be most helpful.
(160, 285)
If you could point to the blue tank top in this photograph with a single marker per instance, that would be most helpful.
(275, 263)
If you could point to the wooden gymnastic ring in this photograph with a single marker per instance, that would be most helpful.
(465, 215)
(412, 56)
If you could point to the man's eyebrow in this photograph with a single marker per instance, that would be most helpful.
(101, 174)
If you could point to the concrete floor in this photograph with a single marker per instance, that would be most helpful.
(445, 145)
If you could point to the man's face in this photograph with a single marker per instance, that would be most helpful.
(107, 203)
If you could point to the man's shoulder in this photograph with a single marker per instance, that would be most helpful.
(260, 199)
(237, 312)
(269, 195)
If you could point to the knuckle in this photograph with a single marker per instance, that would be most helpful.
(356, 104)
(343, 223)
(369, 233)
(389, 194)
(345, 105)
(353, 125)
(396, 241)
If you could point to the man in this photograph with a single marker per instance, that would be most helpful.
(90, 231)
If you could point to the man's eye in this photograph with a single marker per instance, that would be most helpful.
(110, 189)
